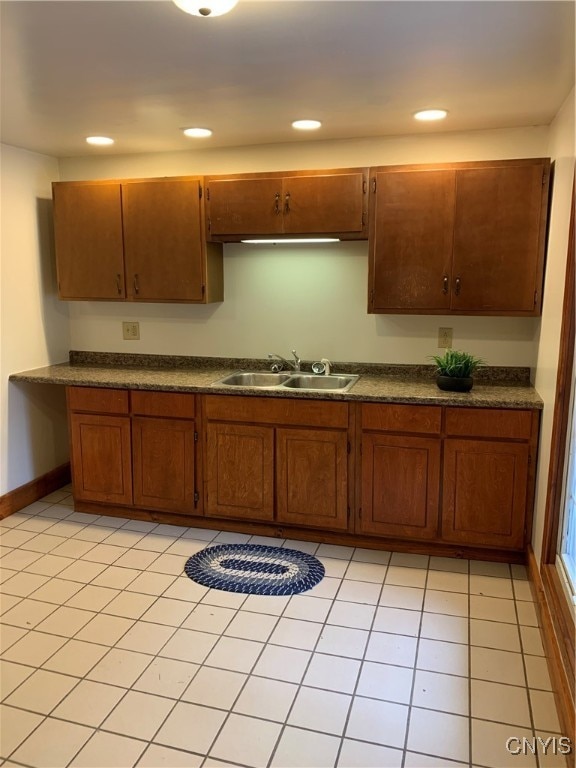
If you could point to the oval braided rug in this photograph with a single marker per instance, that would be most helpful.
(254, 569)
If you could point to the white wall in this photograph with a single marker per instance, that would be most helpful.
(311, 298)
(562, 150)
(34, 325)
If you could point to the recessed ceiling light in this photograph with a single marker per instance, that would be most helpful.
(306, 125)
(206, 7)
(197, 133)
(430, 114)
(101, 141)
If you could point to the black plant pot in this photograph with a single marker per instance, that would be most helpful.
(454, 384)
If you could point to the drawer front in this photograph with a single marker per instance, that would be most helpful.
(268, 410)
(177, 404)
(489, 422)
(97, 399)
(422, 419)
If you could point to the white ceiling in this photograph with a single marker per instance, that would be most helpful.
(141, 70)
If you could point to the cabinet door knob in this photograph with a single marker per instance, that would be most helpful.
(287, 203)
(119, 284)
(277, 210)
(136, 285)
(445, 284)
(457, 289)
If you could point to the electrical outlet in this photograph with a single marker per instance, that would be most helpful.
(131, 331)
(445, 338)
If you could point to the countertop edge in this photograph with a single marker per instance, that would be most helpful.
(382, 389)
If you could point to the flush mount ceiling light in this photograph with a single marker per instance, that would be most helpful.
(197, 133)
(206, 8)
(100, 141)
(306, 125)
(430, 114)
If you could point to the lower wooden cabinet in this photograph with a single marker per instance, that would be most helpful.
(239, 471)
(312, 478)
(101, 458)
(163, 463)
(400, 486)
(145, 457)
(485, 486)
(278, 460)
(453, 478)
(459, 476)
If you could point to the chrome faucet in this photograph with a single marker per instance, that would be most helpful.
(295, 364)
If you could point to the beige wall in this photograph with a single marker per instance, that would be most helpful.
(562, 151)
(311, 298)
(34, 325)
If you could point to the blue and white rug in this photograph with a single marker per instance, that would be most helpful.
(254, 569)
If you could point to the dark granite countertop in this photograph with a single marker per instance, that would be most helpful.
(494, 387)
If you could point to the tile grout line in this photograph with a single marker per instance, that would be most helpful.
(414, 669)
(362, 662)
(332, 600)
(300, 685)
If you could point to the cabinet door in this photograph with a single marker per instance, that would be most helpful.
(484, 492)
(400, 486)
(163, 241)
(311, 473)
(88, 241)
(319, 205)
(239, 471)
(245, 206)
(101, 458)
(412, 223)
(163, 456)
(498, 239)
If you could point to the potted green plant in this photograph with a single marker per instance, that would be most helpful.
(454, 370)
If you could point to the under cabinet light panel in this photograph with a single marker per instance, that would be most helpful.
(293, 240)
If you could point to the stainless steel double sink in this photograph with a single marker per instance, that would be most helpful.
(305, 382)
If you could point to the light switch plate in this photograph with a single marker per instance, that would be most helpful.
(445, 338)
(131, 331)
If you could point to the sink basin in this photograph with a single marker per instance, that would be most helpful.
(339, 383)
(291, 380)
(259, 379)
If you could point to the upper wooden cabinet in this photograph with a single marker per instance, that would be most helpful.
(136, 241)
(467, 238)
(300, 203)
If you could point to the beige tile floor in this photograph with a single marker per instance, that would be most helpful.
(110, 656)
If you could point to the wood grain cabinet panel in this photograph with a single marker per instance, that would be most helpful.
(497, 257)
(89, 241)
(98, 400)
(163, 240)
(299, 203)
(484, 492)
(324, 204)
(400, 486)
(464, 238)
(312, 478)
(163, 462)
(239, 471)
(135, 240)
(244, 206)
(101, 458)
(412, 220)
